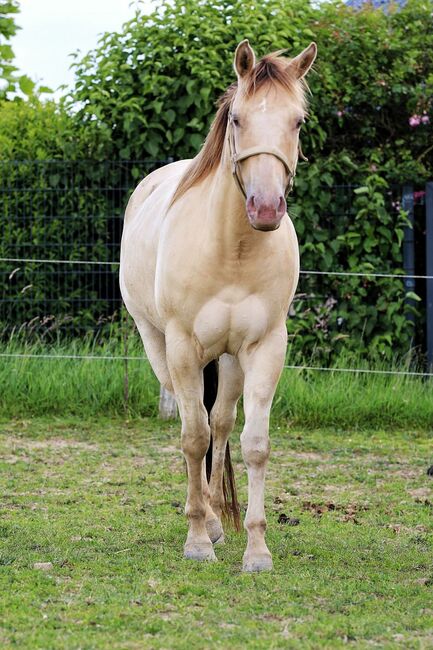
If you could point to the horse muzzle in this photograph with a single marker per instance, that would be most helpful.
(265, 213)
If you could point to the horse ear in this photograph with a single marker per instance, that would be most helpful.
(245, 59)
(303, 62)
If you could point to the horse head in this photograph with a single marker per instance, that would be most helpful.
(265, 115)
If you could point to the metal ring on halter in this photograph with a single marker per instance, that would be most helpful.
(236, 158)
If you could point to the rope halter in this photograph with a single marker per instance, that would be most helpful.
(236, 158)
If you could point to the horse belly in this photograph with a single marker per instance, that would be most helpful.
(221, 327)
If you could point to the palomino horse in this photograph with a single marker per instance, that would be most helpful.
(209, 266)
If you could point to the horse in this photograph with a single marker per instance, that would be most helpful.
(209, 266)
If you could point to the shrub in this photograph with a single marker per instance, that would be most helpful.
(149, 90)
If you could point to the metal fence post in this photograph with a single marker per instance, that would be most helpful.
(429, 271)
(409, 248)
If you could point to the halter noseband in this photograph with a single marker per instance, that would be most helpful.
(237, 158)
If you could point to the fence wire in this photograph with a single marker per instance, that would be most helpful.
(100, 357)
(355, 274)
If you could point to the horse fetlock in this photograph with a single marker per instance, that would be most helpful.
(255, 527)
(196, 513)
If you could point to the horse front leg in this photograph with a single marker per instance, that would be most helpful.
(262, 367)
(187, 377)
(222, 419)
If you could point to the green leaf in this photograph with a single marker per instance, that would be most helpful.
(196, 140)
(170, 116)
(152, 148)
(26, 85)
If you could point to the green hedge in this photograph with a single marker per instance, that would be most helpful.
(149, 90)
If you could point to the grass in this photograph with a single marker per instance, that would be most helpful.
(101, 500)
(37, 387)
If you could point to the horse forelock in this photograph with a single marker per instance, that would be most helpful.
(270, 70)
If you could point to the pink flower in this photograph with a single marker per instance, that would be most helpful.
(340, 113)
(415, 120)
(425, 119)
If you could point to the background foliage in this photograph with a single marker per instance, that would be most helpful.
(10, 80)
(8, 28)
(148, 91)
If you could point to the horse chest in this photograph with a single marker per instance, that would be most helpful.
(222, 325)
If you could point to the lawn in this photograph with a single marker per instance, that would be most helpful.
(350, 527)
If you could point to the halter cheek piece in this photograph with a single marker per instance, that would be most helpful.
(237, 158)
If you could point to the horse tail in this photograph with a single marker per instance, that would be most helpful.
(231, 509)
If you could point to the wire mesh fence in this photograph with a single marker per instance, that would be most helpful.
(60, 231)
(62, 210)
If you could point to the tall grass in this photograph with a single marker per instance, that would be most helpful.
(59, 386)
(337, 399)
(96, 387)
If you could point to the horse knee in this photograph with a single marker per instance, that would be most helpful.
(255, 448)
(195, 439)
(222, 421)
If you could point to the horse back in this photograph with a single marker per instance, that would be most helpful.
(151, 182)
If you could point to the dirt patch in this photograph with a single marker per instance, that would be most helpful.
(50, 443)
(310, 456)
(169, 449)
(12, 459)
(348, 513)
(421, 494)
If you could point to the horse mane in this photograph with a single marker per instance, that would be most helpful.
(271, 69)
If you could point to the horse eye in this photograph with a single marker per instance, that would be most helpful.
(300, 122)
(235, 120)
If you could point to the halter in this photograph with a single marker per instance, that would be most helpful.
(237, 158)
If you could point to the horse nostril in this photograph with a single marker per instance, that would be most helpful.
(282, 205)
(250, 203)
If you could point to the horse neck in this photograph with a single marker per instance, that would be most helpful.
(226, 209)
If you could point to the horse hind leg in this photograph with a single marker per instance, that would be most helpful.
(155, 348)
(222, 419)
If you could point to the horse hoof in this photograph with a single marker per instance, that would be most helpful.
(201, 552)
(215, 531)
(256, 563)
(221, 540)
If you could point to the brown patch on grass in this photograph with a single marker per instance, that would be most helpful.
(169, 449)
(50, 443)
(302, 455)
(12, 459)
(400, 528)
(348, 511)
